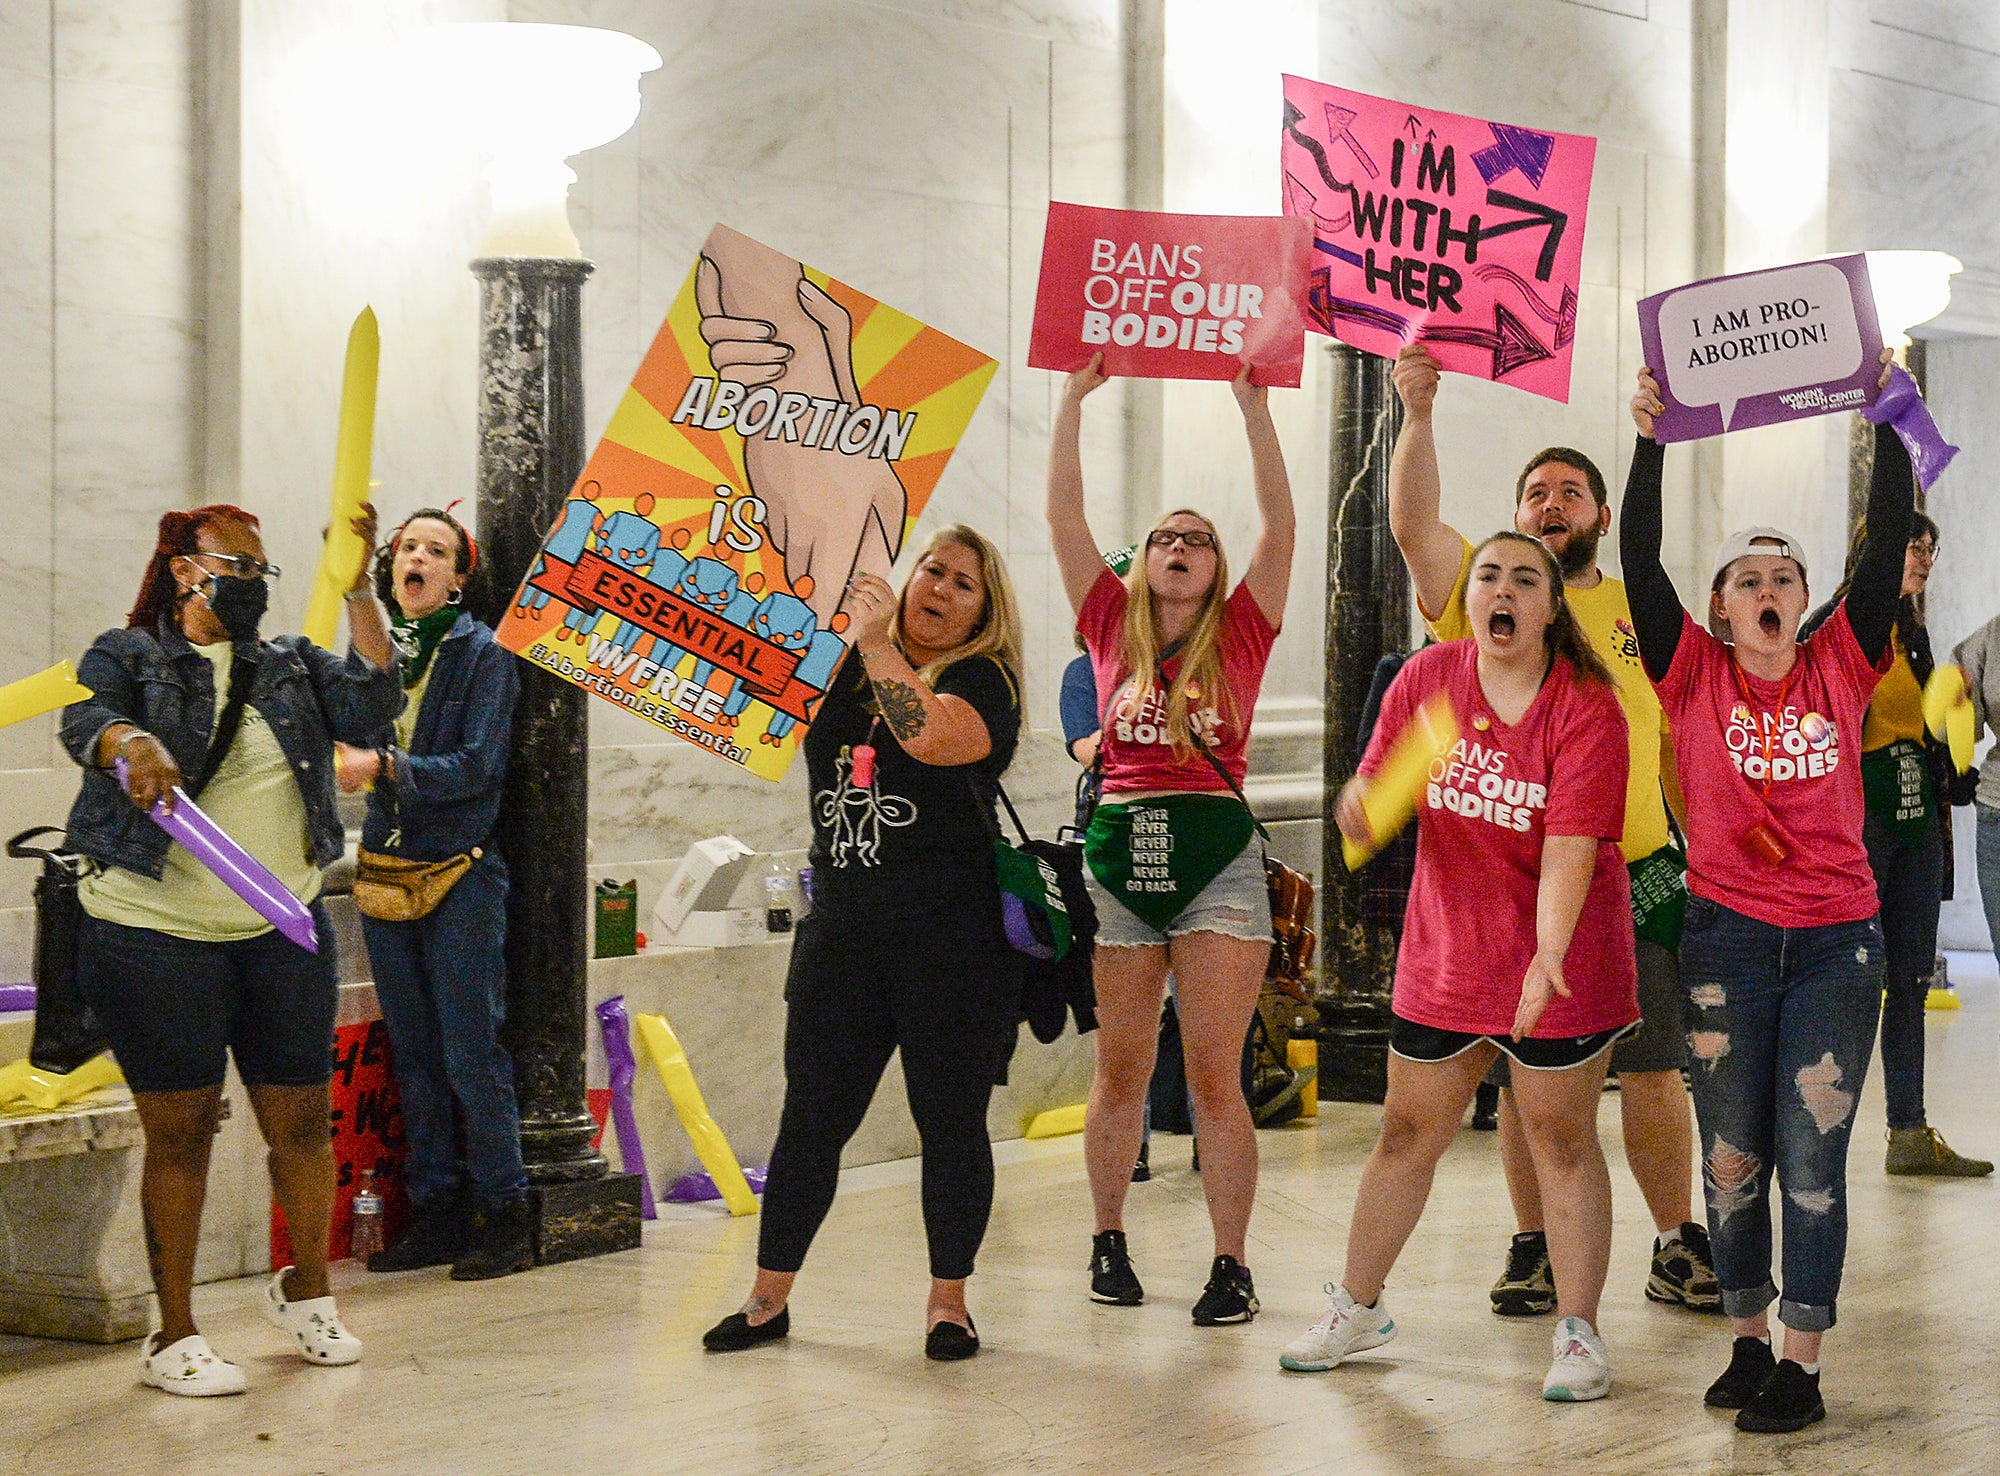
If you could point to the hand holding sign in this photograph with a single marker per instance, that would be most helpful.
(1416, 378)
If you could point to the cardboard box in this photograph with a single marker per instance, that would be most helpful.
(702, 881)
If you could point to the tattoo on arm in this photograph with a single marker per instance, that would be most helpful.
(902, 708)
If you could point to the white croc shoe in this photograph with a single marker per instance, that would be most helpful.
(314, 1325)
(188, 1367)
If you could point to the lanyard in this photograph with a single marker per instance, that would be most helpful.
(1765, 729)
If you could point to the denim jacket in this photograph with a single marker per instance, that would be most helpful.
(446, 793)
(309, 696)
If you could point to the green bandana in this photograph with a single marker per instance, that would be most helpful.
(1896, 785)
(1155, 856)
(1660, 897)
(418, 639)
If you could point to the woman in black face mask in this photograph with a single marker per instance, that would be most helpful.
(180, 971)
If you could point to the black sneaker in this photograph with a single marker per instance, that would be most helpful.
(1230, 1295)
(1788, 1401)
(1112, 1279)
(1142, 1171)
(1683, 1273)
(1750, 1365)
(505, 1242)
(1527, 1288)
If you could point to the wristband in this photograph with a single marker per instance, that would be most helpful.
(118, 748)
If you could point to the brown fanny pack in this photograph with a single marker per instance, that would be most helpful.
(393, 889)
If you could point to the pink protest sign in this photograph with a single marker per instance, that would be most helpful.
(1428, 227)
(1172, 296)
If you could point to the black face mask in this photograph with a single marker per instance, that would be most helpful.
(239, 604)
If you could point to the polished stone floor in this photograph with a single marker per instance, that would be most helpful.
(596, 1367)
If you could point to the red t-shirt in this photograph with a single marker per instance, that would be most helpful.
(1722, 716)
(1469, 933)
(1137, 753)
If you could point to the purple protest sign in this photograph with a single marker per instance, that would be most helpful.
(1763, 347)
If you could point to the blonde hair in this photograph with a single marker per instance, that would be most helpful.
(1563, 637)
(1200, 651)
(997, 631)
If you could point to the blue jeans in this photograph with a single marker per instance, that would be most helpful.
(1909, 883)
(1781, 1022)
(442, 985)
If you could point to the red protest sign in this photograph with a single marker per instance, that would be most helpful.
(1429, 227)
(1172, 296)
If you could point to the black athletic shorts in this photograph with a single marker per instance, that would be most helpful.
(1414, 1042)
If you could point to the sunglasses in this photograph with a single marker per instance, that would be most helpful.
(1168, 537)
(242, 566)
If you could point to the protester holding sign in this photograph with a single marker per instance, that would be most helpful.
(1525, 811)
(1560, 498)
(1907, 781)
(190, 700)
(904, 948)
(1177, 882)
(1782, 954)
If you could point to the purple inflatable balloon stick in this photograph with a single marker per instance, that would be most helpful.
(624, 1066)
(17, 996)
(235, 867)
(698, 1187)
(1902, 406)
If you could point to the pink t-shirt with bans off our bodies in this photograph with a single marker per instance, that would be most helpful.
(1469, 932)
(1724, 721)
(1138, 756)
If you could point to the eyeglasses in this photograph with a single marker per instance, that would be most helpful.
(1168, 537)
(242, 566)
(1925, 549)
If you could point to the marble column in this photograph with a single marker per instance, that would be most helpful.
(1367, 616)
(530, 452)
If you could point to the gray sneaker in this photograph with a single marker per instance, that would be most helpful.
(1527, 1288)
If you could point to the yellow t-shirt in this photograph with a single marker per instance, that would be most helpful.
(1605, 616)
(413, 703)
(1896, 711)
(256, 801)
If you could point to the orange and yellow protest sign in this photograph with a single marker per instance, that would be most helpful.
(782, 435)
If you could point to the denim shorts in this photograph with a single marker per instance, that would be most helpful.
(175, 1009)
(1236, 904)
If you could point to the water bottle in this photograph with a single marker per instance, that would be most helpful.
(367, 1237)
(778, 900)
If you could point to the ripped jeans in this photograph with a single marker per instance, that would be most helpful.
(1781, 1023)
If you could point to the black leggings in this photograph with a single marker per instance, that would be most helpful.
(854, 996)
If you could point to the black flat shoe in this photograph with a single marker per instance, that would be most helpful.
(736, 1332)
(948, 1343)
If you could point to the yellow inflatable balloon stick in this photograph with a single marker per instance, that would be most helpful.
(45, 691)
(1391, 799)
(341, 555)
(710, 1146)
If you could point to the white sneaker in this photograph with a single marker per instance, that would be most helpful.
(1581, 1370)
(314, 1325)
(1347, 1327)
(188, 1367)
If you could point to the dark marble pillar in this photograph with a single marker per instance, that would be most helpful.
(1367, 615)
(530, 453)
